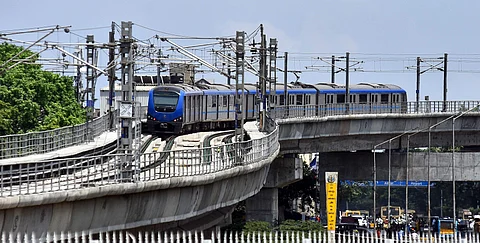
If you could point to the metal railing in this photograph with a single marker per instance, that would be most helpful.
(67, 174)
(42, 142)
(19, 145)
(233, 236)
(424, 107)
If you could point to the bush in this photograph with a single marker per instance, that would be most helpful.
(257, 226)
(305, 226)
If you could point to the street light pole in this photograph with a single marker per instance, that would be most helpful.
(374, 186)
(428, 186)
(407, 178)
(389, 180)
(428, 171)
(389, 172)
(407, 219)
(453, 170)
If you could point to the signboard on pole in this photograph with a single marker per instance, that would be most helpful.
(331, 183)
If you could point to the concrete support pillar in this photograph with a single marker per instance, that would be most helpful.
(264, 205)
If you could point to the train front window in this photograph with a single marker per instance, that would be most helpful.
(165, 101)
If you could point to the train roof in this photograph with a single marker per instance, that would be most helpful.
(360, 87)
(203, 86)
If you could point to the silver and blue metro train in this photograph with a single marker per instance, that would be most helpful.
(182, 108)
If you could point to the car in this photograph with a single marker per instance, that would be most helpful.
(352, 228)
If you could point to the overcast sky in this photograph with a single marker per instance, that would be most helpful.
(373, 31)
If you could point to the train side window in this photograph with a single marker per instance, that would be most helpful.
(373, 98)
(362, 99)
(225, 100)
(299, 100)
(292, 100)
(282, 99)
(307, 99)
(384, 98)
(340, 98)
(214, 101)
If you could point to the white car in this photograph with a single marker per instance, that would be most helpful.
(361, 220)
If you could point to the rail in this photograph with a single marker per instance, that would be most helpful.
(78, 173)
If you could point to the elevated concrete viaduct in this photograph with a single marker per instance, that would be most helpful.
(362, 132)
(345, 145)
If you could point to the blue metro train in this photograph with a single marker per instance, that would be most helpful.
(182, 108)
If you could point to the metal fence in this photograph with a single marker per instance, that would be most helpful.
(231, 237)
(42, 142)
(77, 173)
(424, 107)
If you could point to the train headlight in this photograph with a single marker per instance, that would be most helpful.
(178, 119)
(149, 117)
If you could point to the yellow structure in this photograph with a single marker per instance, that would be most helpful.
(331, 183)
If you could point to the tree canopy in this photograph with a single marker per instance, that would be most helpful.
(32, 99)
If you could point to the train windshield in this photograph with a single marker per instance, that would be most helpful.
(165, 101)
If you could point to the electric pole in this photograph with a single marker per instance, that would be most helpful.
(90, 90)
(263, 80)
(272, 77)
(333, 69)
(239, 85)
(445, 82)
(418, 85)
(347, 82)
(285, 82)
(432, 67)
(111, 76)
(127, 114)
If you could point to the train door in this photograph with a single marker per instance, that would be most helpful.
(191, 109)
(280, 111)
(340, 107)
(385, 103)
(363, 103)
(250, 105)
(317, 102)
(329, 104)
(186, 110)
(374, 108)
(228, 107)
(231, 109)
(224, 107)
(393, 103)
(352, 105)
(198, 108)
(218, 104)
(403, 99)
(309, 107)
(212, 107)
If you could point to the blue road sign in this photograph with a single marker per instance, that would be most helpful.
(385, 183)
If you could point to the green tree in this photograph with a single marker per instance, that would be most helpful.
(304, 189)
(32, 99)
